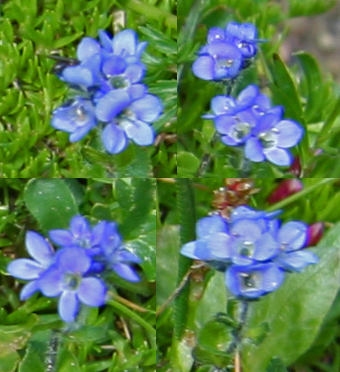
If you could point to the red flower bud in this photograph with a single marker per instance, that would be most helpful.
(284, 189)
(314, 233)
(295, 168)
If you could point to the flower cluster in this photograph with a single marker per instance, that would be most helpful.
(227, 51)
(74, 271)
(250, 121)
(107, 77)
(253, 249)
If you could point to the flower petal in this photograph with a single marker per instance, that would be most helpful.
(73, 260)
(80, 227)
(278, 156)
(289, 134)
(78, 75)
(114, 139)
(113, 65)
(189, 249)
(68, 306)
(112, 104)
(51, 282)
(38, 248)
(135, 72)
(82, 131)
(296, 261)
(92, 292)
(253, 150)
(136, 91)
(147, 108)
(61, 237)
(87, 48)
(140, 132)
(215, 34)
(204, 68)
(247, 97)
(28, 290)
(24, 268)
(126, 272)
(266, 247)
(124, 43)
(225, 123)
(105, 40)
(293, 235)
(223, 105)
(210, 225)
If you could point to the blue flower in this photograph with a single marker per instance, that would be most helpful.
(125, 44)
(109, 77)
(227, 51)
(271, 138)
(67, 279)
(249, 99)
(114, 64)
(115, 255)
(80, 235)
(292, 237)
(236, 129)
(242, 241)
(217, 61)
(77, 117)
(127, 119)
(243, 35)
(253, 281)
(252, 249)
(28, 269)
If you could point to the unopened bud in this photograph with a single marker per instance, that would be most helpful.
(295, 168)
(284, 189)
(314, 233)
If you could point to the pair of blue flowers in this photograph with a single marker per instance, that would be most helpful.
(248, 120)
(75, 271)
(253, 249)
(108, 81)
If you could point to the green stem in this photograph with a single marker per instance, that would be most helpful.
(151, 12)
(131, 314)
(283, 203)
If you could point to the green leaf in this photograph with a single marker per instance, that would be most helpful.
(315, 94)
(8, 360)
(214, 300)
(13, 338)
(213, 341)
(31, 362)
(296, 311)
(276, 365)
(167, 246)
(285, 90)
(188, 164)
(136, 199)
(51, 202)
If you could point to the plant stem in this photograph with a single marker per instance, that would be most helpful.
(237, 335)
(126, 311)
(300, 194)
(206, 160)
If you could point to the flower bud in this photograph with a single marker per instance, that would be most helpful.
(284, 189)
(314, 233)
(295, 168)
